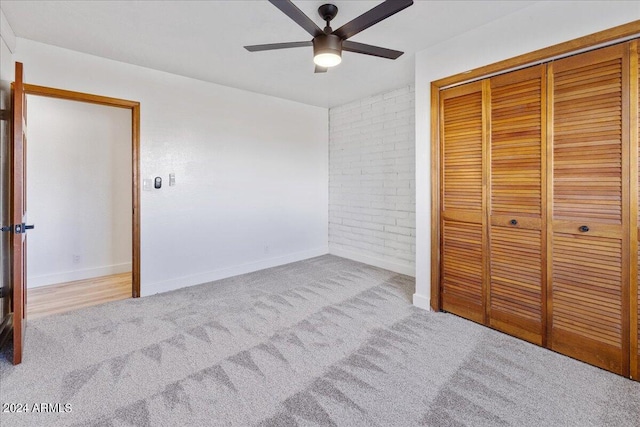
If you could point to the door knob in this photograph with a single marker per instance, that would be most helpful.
(21, 228)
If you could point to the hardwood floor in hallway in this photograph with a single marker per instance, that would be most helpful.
(63, 297)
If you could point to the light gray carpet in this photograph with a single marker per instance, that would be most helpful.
(322, 342)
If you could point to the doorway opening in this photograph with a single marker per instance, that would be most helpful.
(95, 256)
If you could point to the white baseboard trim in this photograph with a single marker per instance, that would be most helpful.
(223, 273)
(70, 276)
(421, 301)
(397, 267)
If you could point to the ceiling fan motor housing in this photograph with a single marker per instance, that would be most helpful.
(327, 43)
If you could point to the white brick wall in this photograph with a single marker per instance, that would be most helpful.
(372, 180)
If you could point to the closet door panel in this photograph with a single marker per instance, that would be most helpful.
(516, 139)
(587, 137)
(462, 236)
(462, 292)
(516, 271)
(517, 177)
(589, 299)
(462, 150)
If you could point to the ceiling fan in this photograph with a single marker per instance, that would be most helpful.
(328, 44)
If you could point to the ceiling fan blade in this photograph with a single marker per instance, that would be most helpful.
(320, 69)
(273, 46)
(292, 11)
(367, 49)
(372, 17)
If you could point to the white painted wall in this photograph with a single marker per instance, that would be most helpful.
(543, 24)
(78, 190)
(372, 180)
(251, 170)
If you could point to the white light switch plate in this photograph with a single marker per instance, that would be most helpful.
(172, 179)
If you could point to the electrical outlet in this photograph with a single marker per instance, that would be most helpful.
(76, 259)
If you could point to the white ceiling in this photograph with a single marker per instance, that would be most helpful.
(205, 39)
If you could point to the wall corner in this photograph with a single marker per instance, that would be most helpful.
(422, 301)
(6, 32)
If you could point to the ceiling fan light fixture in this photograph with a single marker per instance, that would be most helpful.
(327, 50)
(327, 60)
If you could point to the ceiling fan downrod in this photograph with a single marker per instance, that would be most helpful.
(328, 12)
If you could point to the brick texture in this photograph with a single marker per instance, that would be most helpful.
(372, 178)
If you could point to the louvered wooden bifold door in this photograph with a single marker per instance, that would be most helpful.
(462, 135)
(518, 152)
(540, 205)
(589, 299)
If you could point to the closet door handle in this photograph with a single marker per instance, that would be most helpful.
(583, 228)
(513, 222)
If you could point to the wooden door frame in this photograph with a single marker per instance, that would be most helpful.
(592, 41)
(134, 106)
(633, 223)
